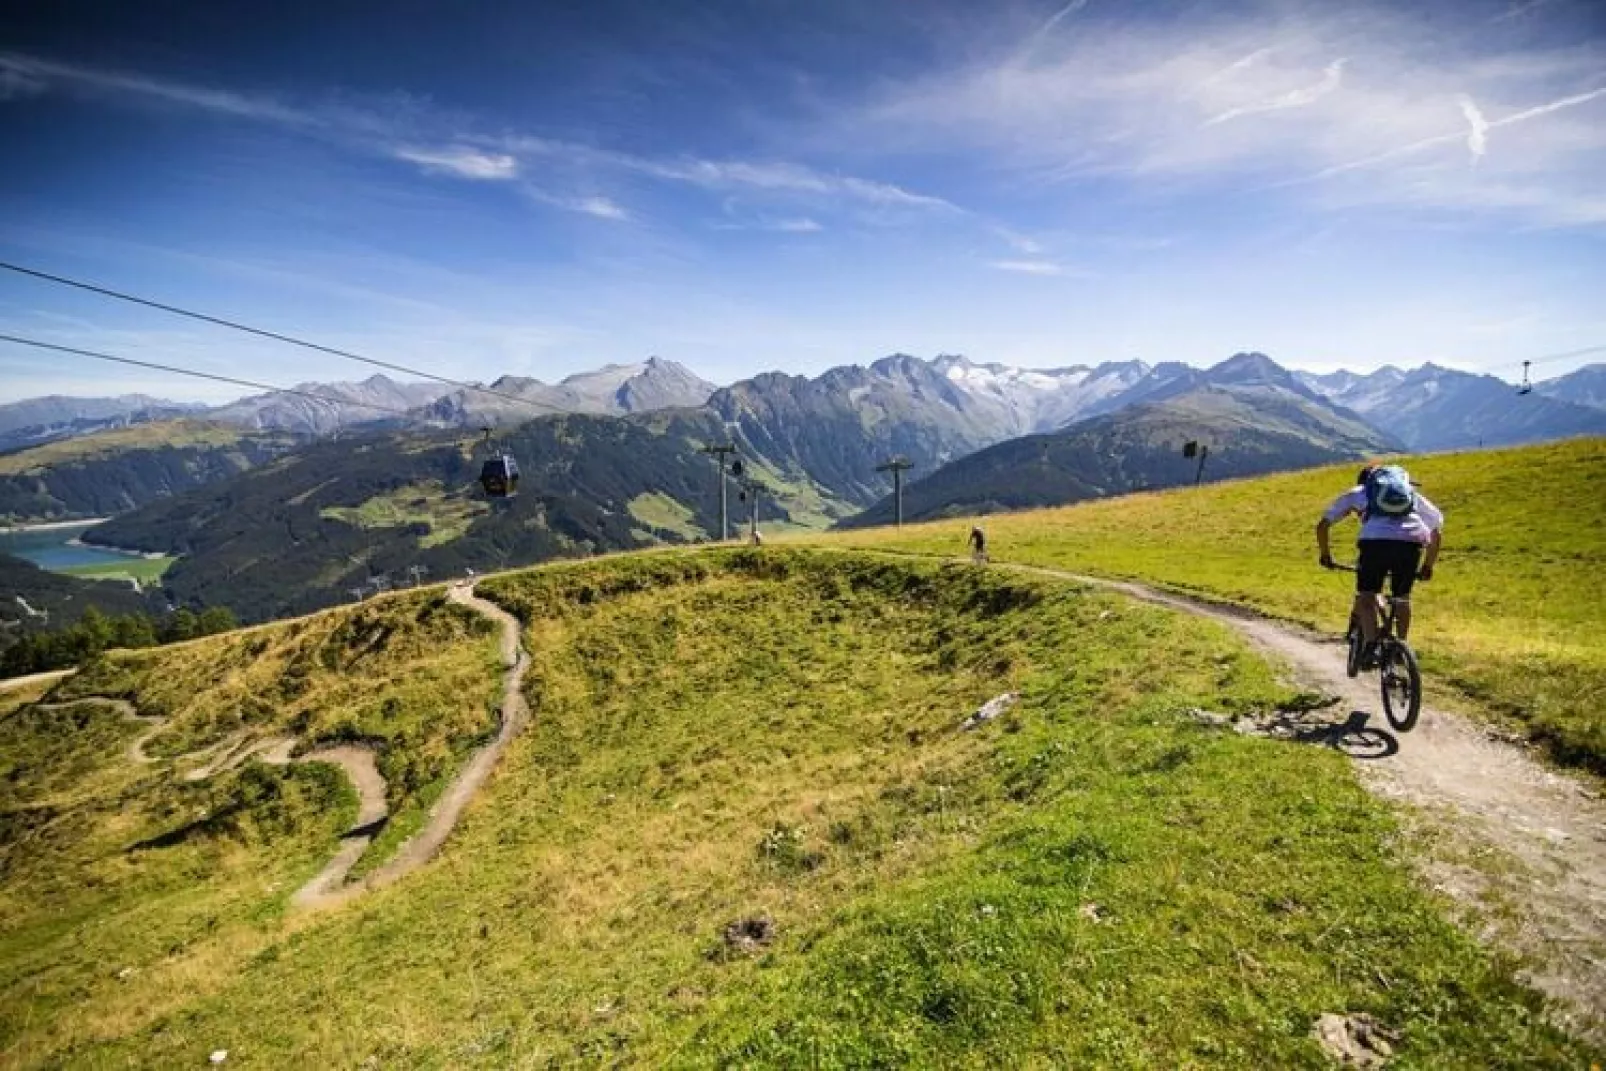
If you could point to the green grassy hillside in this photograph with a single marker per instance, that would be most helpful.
(1515, 617)
(124, 468)
(129, 891)
(743, 829)
(145, 570)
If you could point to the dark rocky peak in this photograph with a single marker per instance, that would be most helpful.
(514, 384)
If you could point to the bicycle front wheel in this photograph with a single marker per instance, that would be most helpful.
(1402, 686)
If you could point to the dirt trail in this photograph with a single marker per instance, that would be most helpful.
(329, 887)
(274, 750)
(135, 752)
(1477, 789)
(423, 845)
(48, 677)
(358, 763)
(515, 713)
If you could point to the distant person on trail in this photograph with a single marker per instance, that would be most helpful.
(978, 545)
(1397, 523)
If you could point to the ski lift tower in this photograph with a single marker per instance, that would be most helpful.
(897, 466)
(720, 452)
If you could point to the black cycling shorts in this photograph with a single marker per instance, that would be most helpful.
(1396, 559)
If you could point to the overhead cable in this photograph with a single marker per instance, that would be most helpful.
(201, 375)
(1585, 352)
(274, 335)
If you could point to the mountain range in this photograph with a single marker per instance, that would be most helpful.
(612, 390)
(272, 514)
(1252, 414)
(377, 400)
(1586, 386)
(1430, 407)
(1435, 408)
(34, 421)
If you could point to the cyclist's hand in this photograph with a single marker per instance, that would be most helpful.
(1327, 561)
(1425, 573)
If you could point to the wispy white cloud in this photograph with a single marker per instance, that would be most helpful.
(1332, 78)
(1055, 19)
(590, 205)
(740, 218)
(1028, 267)
(42, 73)
(1477, 138)
(1553, 106)
(1242, 63)
(17, 85)
(1478, 132)
(414, 132)
(772, 176)
(1520, 9)
(1021, 243)
(1171, 108)
(462, 162)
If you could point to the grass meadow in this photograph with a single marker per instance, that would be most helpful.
(744, 828)
(1514, 619)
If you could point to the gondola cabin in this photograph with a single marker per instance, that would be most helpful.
(500, 476)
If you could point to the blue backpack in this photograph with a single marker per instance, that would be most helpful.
(1389, 493)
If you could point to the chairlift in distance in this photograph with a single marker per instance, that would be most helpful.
(1525, 387)
(499, 476)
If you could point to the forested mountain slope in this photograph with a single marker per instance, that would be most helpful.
(307, 529)
(1249, 418)
(122, 469)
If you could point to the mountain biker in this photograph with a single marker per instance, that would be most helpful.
(1392, 541)
(978, 544)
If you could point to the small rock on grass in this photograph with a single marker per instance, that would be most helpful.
(219, 1055)
(1354, 1040)
(989, 710)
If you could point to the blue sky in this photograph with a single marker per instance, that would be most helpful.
(538, 189)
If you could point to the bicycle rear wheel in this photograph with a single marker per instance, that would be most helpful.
(1401, 686)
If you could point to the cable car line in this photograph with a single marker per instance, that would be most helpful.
(274, 335)
(1547, 358)
(499, 476)
(200, 375)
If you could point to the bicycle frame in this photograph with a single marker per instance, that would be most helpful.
(1400, 679)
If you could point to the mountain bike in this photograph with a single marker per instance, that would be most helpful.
(1399, 677)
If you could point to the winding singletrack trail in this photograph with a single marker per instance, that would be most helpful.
(422, 846)
(515, 714)
(329, 886)
(1548, 828)
(135, 752)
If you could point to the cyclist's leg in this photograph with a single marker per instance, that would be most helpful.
(1402, 577)
(1370, 568)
